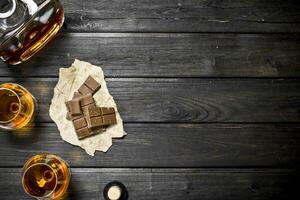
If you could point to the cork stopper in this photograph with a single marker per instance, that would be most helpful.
(115, 191)
(7, 8)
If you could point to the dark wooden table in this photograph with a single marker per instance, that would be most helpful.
(209, 91)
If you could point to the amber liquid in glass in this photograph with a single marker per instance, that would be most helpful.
(17, 106)
(48, 179)
(40, 180)
(34, 35)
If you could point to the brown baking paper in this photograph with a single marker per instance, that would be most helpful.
(70, 79)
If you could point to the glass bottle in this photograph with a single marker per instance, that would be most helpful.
(26, 26)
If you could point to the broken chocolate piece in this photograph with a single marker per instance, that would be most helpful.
(109, 119)
(86, 100)
(83, 133)
(98, 116)
(92, 84)
(84, 90)
(73, 107)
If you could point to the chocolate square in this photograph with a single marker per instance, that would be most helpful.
(73, 107)
(86, 100)
(92, 84)
(85, 90)
(79, 123)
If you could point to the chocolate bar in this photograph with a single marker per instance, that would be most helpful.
(87, 118)
(90, 86)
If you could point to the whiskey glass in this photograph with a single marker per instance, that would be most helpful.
(18, 106)
(46, 177)
(26, 26)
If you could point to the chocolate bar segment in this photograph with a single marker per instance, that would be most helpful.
(79, 123)
(84, 90)
(94, 111)
(92, 84)
(83, 133)
(96, 121)
(86, 100)
(97, 111)
(98, 116)
(73, 107)
(109, 119)
(107, 111)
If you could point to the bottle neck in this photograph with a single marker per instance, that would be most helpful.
(7, 8)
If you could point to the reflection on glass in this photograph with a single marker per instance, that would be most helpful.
(18, 107)
(46, 177)
(26, 26)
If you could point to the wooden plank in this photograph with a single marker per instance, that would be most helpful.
(173, 184)
(169, 55)
(182, 16)
(167, 145)
(190, 100)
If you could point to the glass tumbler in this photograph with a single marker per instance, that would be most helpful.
(46, 177)
(18, 106)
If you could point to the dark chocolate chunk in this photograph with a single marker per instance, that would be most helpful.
(86, 100)
(96, 118)
(94, 111)
(92, 84)
(83, 133)
(109, 119)
(96, 121)
(84, 90)
(73, 107)
(107, 111)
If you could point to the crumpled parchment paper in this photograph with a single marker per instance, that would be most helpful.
(70, 79)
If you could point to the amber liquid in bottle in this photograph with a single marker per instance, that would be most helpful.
(17, 106)
(46, 180)
(34, 34)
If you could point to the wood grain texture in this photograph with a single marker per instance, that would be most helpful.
(167, 145)
(182, 16)
(169, 55)
(189, 100)
(171, 184)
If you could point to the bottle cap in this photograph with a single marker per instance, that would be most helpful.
(7, 8)
(115, 191)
